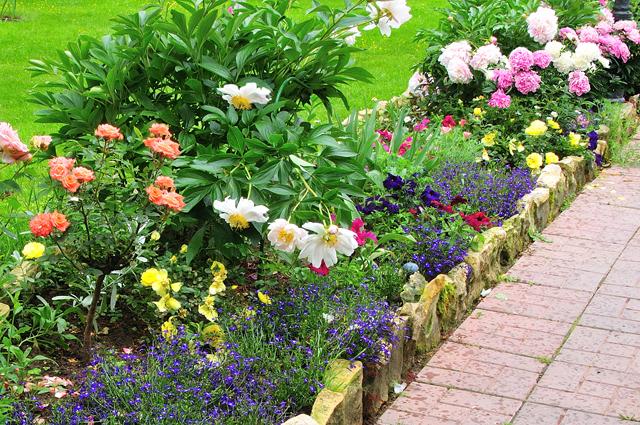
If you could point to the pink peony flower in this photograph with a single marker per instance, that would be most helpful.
(543, 25)
(588, 34)
(579, 83)
(634, 36)
(521, 59)
(541, 59)
(604, 28)
(499, 99)
(12, 148)
(459, 50)
(615, 47)
(603, 3)
(568, 34)
(527, 82)
(625, 26)
(485, 56)
(503, 78)
(606, 16)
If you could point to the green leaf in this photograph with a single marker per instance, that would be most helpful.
(195, 245)
(235, 139)
(397, 237)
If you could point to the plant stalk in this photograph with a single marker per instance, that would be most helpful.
(91, 316)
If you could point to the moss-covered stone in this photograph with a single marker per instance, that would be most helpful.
(301, 420)
(340, 402)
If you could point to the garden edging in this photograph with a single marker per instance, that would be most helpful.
(422, 324)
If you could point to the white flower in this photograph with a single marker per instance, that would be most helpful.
(459, 72)
(554, 48)
(585, 54)
(564, 63)
(388, 14)
(418, 84)
(457, 50)
(329, 318)
(244, 97)
(543, 25)
(241, 215)
(485, 56)
(285, 236)
(351, 35)
(325, 242)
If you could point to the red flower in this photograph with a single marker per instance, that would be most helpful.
(448, 122)
(41, 225)
(413, 211)
(442, 207)
(477, 220)
(323, 270)
(362, 235)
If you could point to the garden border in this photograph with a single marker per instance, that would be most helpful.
(353, 392)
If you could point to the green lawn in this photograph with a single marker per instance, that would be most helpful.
(46, 26)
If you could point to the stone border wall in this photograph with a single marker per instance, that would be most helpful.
(353, 392)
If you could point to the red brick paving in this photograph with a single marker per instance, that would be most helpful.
(561, 345)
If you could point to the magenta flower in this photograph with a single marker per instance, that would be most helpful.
(541, 59)
(362, 235)
(521, 59)
(503, 78)
(499, 99)
(579, 83)
(527, 82)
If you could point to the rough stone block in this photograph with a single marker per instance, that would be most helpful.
(328, 409)
(344, 378)
(301, 420)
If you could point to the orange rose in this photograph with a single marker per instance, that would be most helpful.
(160, 130)
(167, 148)
(165, 183)
(58, 172)
(109, 132)
(71, 183)
(59, 221)
(84, 175)
(151, 142)
(41, 225)
(155, 195)
(173, 201)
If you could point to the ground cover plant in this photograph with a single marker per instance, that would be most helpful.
(191, 196)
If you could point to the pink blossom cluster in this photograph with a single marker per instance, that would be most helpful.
(543, 25)
(12, 149)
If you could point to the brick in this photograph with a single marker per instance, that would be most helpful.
(582, 418)
(538, 414)
(570, 400)
(457, 356)
(626, 403)
(477, 401)
(601, 360)
(563, 376)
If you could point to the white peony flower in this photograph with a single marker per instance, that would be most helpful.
(239, 216)
(388, 14)
(554, 48)
(485, 56)
(246, 96)
(285, 236)
(585, 54)
(457, 50)
(459, 72)
(351, 35)
(543, 25)
(325, 242)
(418, 84)
(564, 63)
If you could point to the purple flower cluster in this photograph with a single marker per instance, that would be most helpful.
(494, 192)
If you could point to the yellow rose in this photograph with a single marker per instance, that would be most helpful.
(534, 161)
(155, 236)
(551, 158)
(536, 128)
(264, 298)
(33, 250)
(574, 139)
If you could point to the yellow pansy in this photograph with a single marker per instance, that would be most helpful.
(33, 250)
(213, 334)
(574, 139)
(217, 286)
(534, 161)
(184, 249)
(551, 158)
(485, 155)
(478, 112)
(514, 146)
(219, 270)
(155, 236)
(489, 139)
(264, 298)
(168, 329)
(554, 125)
(167, 303)
(152, 275)
(207, 308)
(536, 128)
(173, 259)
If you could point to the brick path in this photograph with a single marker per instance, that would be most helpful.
(559, 344)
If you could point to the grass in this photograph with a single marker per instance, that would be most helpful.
(622, 150)
(47, 26)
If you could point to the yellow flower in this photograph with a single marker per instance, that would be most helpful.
(234, 287)
(167, 302)
(173, 259)
(184, 249)
(489, 139)
(155, 236)
(218, 269)
(264, 298)
(485, 155)
(534, 161)
(213, 334)
(33, 250)
(168, 329)
(574, 139)
(152, 275)
(513, 146)
(536, 128)
(207, 309)
(217, 286)
(551, 158)
(249, 313)
(478, 112)
(553, 124)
